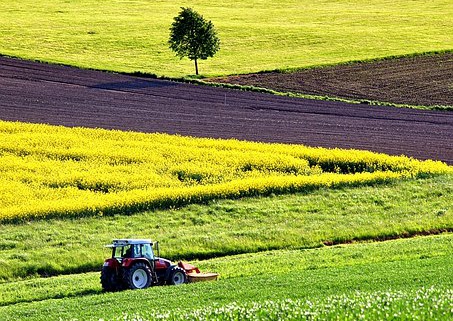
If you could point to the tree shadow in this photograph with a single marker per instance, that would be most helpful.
(133, 84)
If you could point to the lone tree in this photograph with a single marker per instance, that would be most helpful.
(193, 37)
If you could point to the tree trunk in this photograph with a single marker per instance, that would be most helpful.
(196, 67)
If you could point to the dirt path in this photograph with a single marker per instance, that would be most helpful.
(33, 92)
(419, 80)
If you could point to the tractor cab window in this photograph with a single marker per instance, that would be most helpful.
(137, 252)
(123, 251)
(118, 252)
(131, 251)
(147, 251)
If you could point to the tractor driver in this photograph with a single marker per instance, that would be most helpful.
(128, 252)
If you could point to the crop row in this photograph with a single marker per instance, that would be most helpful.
(57, 171)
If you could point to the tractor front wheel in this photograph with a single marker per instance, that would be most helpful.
(138, 276)
(177, 276)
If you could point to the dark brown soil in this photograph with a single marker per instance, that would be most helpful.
(419, 80)
(41, 93)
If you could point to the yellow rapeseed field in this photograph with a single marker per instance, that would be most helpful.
(54, 171)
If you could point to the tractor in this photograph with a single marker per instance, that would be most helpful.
(133, 265)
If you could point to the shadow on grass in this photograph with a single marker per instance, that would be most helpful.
(55, 296)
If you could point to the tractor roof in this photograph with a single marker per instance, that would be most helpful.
(124, 242)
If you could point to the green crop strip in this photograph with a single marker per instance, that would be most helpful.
(132, 36)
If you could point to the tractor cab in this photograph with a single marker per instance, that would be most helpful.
(132, 249)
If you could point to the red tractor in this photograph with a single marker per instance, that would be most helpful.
(133, 265)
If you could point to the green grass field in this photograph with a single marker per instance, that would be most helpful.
(380, 271)
(259, 35)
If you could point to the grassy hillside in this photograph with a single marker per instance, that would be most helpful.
(255, 35)
(409, 277)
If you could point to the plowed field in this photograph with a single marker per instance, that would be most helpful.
(419, 80)
(34, 92)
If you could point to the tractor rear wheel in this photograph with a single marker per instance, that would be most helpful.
(177, 276)
(110, 280)
(138, 276)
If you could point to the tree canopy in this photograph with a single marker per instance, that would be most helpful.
(192, 36)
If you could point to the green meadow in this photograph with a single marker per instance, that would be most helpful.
(409, 277)
(256, 35)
